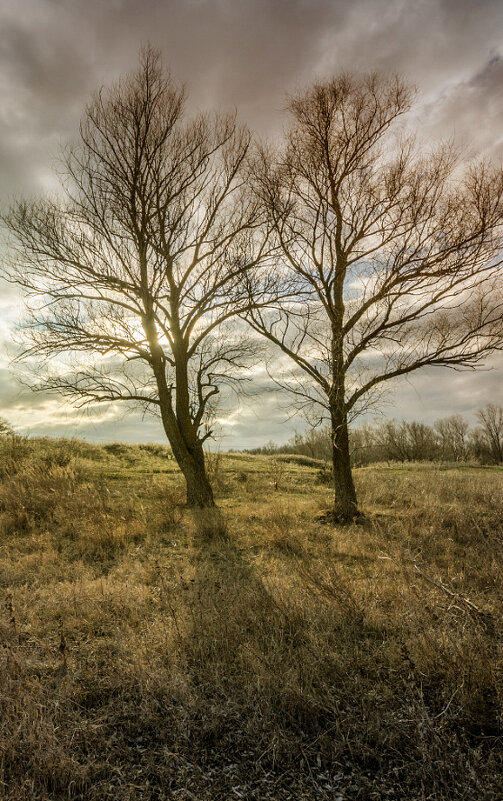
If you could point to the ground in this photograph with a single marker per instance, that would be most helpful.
(290, 659)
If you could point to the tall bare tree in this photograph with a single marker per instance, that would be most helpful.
(395, 254)
(452, 433)
(141, 266)
(490, 431)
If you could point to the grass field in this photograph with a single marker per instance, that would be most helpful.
(290, 660)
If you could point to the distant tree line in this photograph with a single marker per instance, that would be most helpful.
(450, 439)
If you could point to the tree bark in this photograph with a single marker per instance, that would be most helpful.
(199, 491)
(191, 462)
(345, 504)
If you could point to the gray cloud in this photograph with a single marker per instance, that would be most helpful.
(473, 109)
(433, 393)
(245, 54)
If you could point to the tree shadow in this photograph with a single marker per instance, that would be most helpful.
(231, 613)
(254, 671)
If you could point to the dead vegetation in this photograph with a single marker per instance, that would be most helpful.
(287, 660)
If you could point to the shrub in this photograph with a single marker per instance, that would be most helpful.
(14, 450)
(325, 475)
(156, 449)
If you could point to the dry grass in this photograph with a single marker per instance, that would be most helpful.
(286, 660)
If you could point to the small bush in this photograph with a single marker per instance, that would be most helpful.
(300, 460)
(14, 451)
(325, 475)
(5, 428)
(157, 449)
(168, 507)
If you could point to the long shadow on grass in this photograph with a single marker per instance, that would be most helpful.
(266, 679)
(246, 656)
(299, 688)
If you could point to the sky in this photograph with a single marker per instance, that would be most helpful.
(244, 54)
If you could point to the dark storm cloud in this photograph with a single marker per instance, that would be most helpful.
(246, 54)
(237, 53)
(474, 109)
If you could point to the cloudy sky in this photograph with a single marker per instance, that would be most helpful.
(246, 54)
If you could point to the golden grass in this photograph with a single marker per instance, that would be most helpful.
(287, 659)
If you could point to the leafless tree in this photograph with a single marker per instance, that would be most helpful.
(364, 446)
(395, 254)
(452, 437)
(140, 268)
(393, 440)
(490, 431)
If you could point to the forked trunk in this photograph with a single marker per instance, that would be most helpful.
(345, 504)
(187, 448)
(191, 463)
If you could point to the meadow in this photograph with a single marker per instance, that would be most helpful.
(285, 659)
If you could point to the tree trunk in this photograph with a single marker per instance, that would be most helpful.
(189, 458)
(345, 504)
(179, 428)
(199, 491)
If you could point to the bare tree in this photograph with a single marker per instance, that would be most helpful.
(364, 445)
(395, 254)
(452, 437)
(315, 442)
(393, 441)
(490, 431)
(140, 268)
